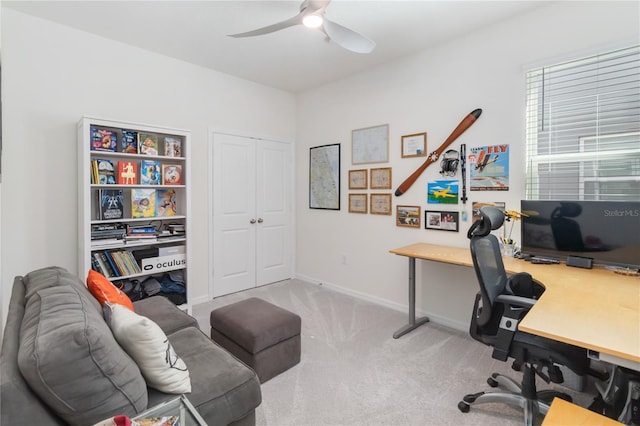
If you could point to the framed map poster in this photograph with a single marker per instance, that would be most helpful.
(370, 145)
(324, 177)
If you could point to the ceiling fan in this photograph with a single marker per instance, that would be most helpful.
(312, 15)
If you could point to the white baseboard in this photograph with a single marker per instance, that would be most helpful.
(198, 300)
(437, 319)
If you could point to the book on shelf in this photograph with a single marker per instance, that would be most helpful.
(171, 174)
(106, 243)
(106, 172)
(166, 204)
(139, 233)
(141, 229)
(109, 269)
(103, 139)
(128, 262)
(107, 230)
(111, 204)
(94, 172)
(150, 172)
(147, 143)
(143, 202)
(175, 228)
(114, 268)
(127, 173)
(102, 267)
(172, 147)
(129, 142)
(117, 259)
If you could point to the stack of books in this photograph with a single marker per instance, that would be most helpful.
(107, 233)
(143, 232)
(176, 228)
(115, 263)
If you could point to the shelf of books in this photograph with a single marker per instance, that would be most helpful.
(134, 206)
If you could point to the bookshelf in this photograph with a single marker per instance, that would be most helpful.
(134, 203)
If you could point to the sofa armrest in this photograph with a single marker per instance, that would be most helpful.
(165, 313)
(19, 405)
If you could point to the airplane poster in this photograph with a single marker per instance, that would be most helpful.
(442, 192)
(489, 168)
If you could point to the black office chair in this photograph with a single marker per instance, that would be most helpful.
(499, 306)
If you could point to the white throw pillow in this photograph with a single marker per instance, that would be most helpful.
(149, 347)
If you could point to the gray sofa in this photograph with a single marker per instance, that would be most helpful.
(61, 364)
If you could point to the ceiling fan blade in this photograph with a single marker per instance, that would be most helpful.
(296, 20)
(347, 38)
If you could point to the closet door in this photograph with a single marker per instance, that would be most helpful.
(251, 213)
(273, 193)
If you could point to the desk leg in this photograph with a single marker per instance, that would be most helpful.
(413, 323)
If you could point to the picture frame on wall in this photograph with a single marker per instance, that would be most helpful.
(358, 179)
(324, 177)
(441, 220)
(381, 178)
(414, 145)
(408, 216)
(370, 145)
(358, 203)
(380, 204)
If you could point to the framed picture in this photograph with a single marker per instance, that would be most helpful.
(370, 145)
(408, 216)
(358, 179)
(444, 221)
(357, 203)
(380, 204)
(324, 177)
(381, 178)
(414, 145)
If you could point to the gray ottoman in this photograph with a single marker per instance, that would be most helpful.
(260, 334)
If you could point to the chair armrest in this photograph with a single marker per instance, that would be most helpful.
(515, 308)
(515, 301)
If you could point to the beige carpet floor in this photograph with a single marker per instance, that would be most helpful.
(353, 372)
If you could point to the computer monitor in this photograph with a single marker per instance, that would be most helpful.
(606, 231)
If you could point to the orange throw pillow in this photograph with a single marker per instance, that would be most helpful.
(104, 290)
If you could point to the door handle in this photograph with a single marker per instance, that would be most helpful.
(260, 220)
(252, 221)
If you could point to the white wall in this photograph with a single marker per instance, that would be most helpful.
(432, 92)
(52, 75)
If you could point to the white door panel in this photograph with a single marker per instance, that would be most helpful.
(252, 192)
(274, 189)
(233, 210)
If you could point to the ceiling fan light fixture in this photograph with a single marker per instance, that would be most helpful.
(312, 21)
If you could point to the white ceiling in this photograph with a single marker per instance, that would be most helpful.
(293, 59)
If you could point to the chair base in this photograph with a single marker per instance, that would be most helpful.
(513, 396)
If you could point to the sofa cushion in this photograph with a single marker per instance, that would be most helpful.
(104, 290)
(54, 276)
(165, 313)
(149, 347)
(69, 357)
(224, 390)
(19, 406)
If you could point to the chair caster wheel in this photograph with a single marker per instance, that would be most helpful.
(463, 406)
(492, 382)
(471, 398)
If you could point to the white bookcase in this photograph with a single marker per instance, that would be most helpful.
(169, 241)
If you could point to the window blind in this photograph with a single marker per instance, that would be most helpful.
(583, 129)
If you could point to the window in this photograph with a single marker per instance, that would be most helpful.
(583, 129)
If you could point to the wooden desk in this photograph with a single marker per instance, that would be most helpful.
(563, 413)
(595, 309)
